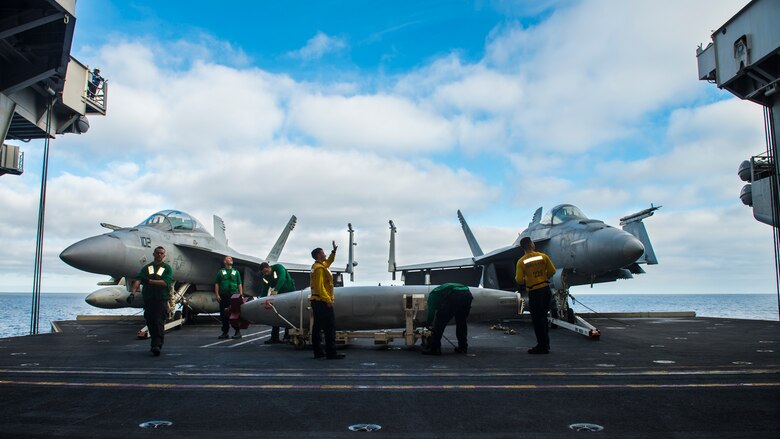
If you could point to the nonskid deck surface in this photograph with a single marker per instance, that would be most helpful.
(646, 377)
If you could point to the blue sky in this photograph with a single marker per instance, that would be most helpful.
(364, 111)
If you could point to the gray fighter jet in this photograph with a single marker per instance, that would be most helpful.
(584, 251)
(193, 253)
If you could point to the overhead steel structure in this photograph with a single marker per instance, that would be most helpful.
(43, 92)
(744, 58)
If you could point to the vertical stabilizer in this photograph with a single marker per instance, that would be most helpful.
(219, 231)
(391, 257)
(276, 251)
(637, 228)
(476, 250)
(633, 224)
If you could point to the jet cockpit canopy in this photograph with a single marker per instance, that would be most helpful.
(173, 221)
(562, 213)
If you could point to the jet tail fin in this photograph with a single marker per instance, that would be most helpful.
(276, 250)
(391, 257)
(633, 224)
(219, 230)
(476, 250)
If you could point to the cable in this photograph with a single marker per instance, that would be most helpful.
(574, 299)
(36, 295)
(771, 152)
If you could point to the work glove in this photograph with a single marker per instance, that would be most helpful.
(130, 298)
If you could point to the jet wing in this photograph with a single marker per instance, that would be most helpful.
(511, 253)
(248, 261)
(300, 267)
(439, 265)
(238, 259)
(433, 273)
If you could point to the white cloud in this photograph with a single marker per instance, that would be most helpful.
(318, 46)
(372, 122)
(479, 91)
(591, 72)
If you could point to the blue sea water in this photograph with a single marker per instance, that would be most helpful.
(17, 309)
(735, 306)
(66, 306)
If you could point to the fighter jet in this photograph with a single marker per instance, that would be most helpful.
(193, 253)
(584, 251)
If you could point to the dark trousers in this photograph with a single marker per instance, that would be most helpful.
(458, 305)
(539, 305)
(155, 313)
(224, 312)
(275, 332)
(325, 321)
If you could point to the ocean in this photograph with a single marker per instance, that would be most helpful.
(66, 306)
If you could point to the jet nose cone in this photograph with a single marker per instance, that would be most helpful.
(98, 254)
(633, 249)
(610, 249)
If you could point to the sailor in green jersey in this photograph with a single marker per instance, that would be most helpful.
(157, 279)
(275, 280)
(445, 302)
(227, 283)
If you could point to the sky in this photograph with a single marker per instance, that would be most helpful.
(361, 112)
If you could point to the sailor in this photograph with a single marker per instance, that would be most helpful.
(445, 302)
(533, 273)
(322, 304)
(227, 283)
(275, 280)
(94, 83)
(157, 279)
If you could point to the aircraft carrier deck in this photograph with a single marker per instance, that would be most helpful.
(646, 377)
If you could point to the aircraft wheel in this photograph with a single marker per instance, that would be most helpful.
(570, 316)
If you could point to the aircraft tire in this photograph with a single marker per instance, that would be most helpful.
(570, 316)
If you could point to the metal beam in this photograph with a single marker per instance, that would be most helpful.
(28, 81)
(32, 24)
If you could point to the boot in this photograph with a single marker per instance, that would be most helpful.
(431, 351)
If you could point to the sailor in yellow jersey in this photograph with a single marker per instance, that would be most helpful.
(321, 300)
(533, 272)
